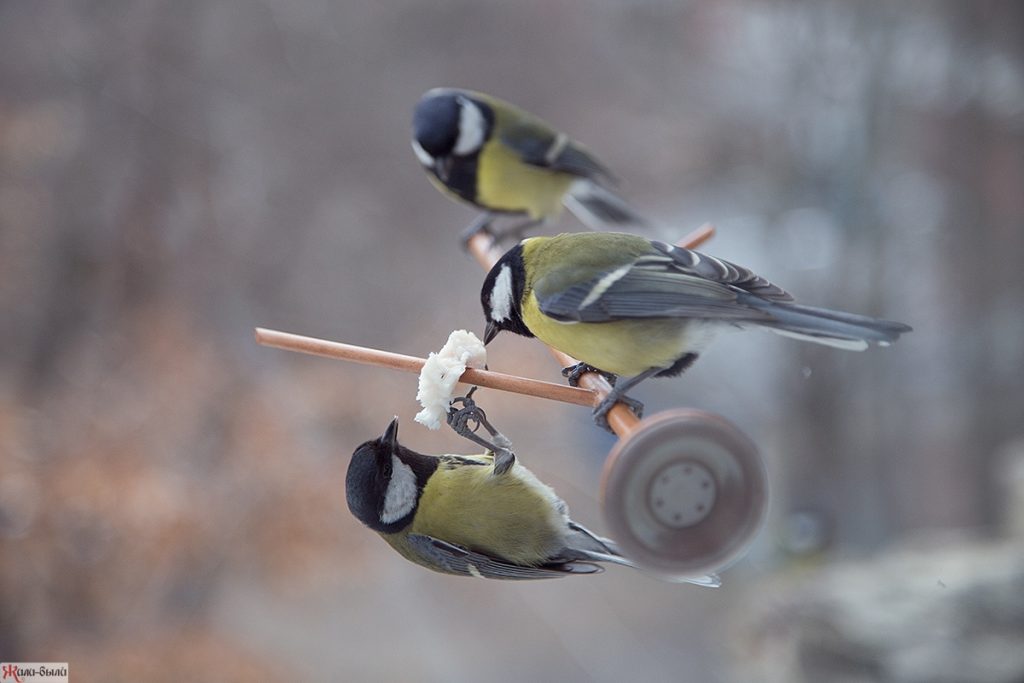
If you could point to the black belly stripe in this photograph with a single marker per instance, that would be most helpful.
(681, 364)
(462, 177)
(453, 461)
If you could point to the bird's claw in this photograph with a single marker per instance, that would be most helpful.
(573, 373)
(482, 224)
(485, 224)
(468, 419)
(601, 411)
(514, 232)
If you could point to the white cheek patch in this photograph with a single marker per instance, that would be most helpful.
(501, 295)
(422, 154)
(471, 128)
(400, 498)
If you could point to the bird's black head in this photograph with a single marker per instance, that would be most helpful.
(384, 482)
(435, 123)
(502, 294)
(447, 123)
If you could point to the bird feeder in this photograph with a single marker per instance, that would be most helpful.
(683, 491)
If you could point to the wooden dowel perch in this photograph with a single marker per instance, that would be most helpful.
(620, 418)
(397, 361)
(593, 387)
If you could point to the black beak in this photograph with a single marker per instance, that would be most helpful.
(390, 438)
(490, 332)
(442, 168)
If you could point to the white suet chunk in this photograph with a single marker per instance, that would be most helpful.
(441, 373)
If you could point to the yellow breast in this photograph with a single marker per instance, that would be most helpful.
(505, 183)
(624, 348)
(511, 515)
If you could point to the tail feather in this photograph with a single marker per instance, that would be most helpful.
(584, 545)
(580, 568)
(599, 207)
(591, 546)
(824, 326)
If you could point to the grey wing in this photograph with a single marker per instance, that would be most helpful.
(670, 282)
(721, 271)
(538, 145)
(454, 559)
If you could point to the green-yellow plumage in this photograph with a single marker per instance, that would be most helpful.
(504, 183)
(471, 515)
(640, 308)
(599, 344)
(461, 501)
(483, 150)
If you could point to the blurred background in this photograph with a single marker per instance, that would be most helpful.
(174, 173)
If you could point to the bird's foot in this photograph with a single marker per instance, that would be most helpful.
(573, 373)
(514, 232)
(601, 411)
(485, 224)
(481, 224)
(468, 419)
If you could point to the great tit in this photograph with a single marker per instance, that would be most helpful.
(495, 156)
(460, 514)
(636, 308)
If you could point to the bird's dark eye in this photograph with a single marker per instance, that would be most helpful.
(435, 124)
(365, 484)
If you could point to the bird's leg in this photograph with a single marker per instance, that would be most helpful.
(573, 373)
(468, 419)
(618, 395)
(515, 231)
(618, 392)
(481, 224)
